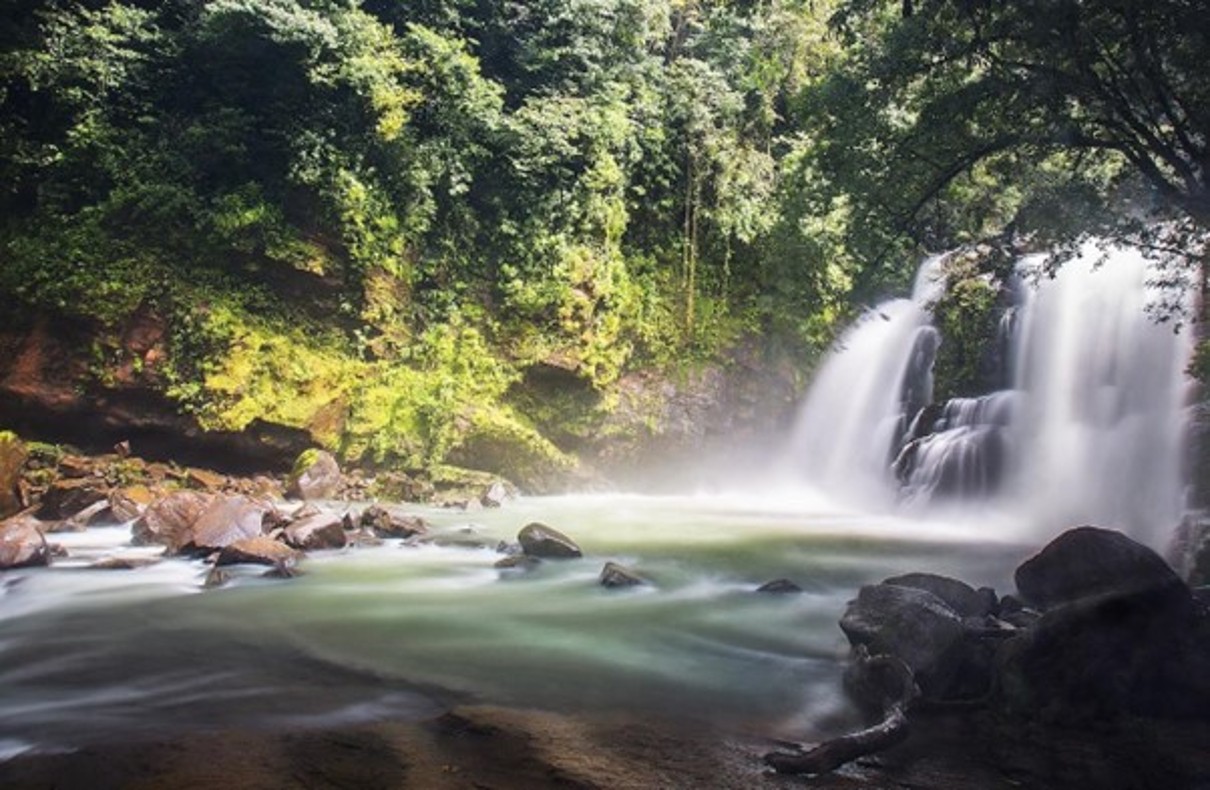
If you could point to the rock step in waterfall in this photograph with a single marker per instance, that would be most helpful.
(1087, 427)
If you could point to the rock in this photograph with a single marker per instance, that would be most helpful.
(316, 475)
(321, 531)
(949, 660)
(1190, 551)
(225, 520)
(127, 504)
(517, 562)
(76, 466)
(122, 449)
(495, 495)
(509, 549)
(1089, 562)
(12, 459)
(364, 537)
(204, 479)
(958, 596)
(539, 540)
(122, 563)
(614, 575)
(259, 550)
(65, 498)
(217, 577)
(96, 513)
(779, 586)
(462, 538)
(166, 521)
(282, 570)
(22, 545)
(386, 524)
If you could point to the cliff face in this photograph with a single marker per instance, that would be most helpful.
(67, 381)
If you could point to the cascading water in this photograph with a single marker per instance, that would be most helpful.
(1088, 429)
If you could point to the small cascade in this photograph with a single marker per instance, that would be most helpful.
(854, 413)
(1087, 425)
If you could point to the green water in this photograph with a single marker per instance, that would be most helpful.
(401, 631)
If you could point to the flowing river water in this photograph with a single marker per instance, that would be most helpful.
(399, 631)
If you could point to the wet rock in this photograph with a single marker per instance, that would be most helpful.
(1089, 562)
(22, 545)
(321, 531)
(614, 575)
(96, 513)
(12, 459)
(316, 475)
(386, 524)
(204, 479)
(957, 595)
(122, 563)
(509, 549)
(950, 660)
(260, 550)
(225, 520)
(517, 562)
(539, 540)
(67, 497)
(167, 520)
(779, 586)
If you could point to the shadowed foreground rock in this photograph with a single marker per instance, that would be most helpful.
(1119, 639)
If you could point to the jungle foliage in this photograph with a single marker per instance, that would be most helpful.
(369, 218)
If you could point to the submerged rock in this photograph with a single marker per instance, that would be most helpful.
(1090, 562)
(614, 575)
(316, 475)
(539, 540)
(780, 587)
(122, 563)
(517, 562)
(22, 545)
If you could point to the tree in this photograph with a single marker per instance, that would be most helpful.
(1107, 100)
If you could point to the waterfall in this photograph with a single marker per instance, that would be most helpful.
(1088, 427)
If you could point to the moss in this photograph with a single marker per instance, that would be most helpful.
(967, 315)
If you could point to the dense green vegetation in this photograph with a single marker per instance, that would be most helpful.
(370, 218)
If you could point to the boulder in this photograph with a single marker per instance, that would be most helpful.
(614, 575)
(12, 459)
(495, 495)
(259, 550)
(167, 520)
(386, 524)
(316, 475)
(321, 531)
(204, 479)
(22, 545)
(779, 586)
(1089, 562)
(957, 595)
(127, 504)
(120, 563)
(67, 497)
(225, 520)
(539, 540)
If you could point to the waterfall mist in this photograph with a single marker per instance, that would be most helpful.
(1088, 426)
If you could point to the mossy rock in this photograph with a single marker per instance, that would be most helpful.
(499, 443)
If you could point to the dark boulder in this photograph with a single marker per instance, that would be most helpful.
(260, 550)
(539, 540)
(167, 520)
(320, 531)
(1089, 562)
(950, 657)
(22, 545)
(779, 586)
(517, 562)
(614, 575)
(316, 475)
(958, 596)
